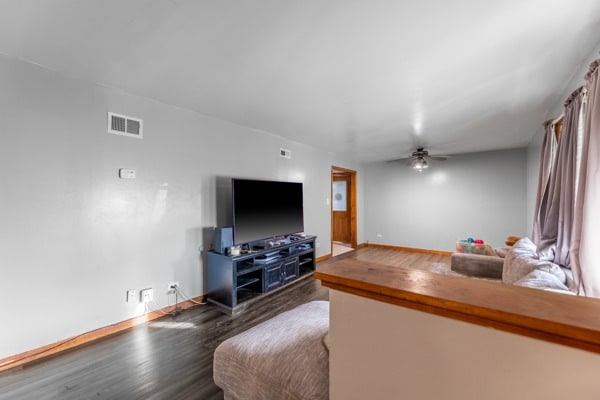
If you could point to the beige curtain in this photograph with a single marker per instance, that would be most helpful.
(547, 154)
(585, 261)
(563, 199)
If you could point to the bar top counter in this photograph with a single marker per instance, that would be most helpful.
(555, 317)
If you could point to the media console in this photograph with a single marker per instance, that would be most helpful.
(233, 281)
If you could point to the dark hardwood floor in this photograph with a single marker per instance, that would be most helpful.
(170, 358)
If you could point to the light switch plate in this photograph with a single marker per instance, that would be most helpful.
(126, 173)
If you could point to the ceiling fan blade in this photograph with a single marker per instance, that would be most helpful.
(440, 157)
(399, 159)
(421, 154)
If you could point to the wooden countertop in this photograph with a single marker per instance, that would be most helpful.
(560, 318)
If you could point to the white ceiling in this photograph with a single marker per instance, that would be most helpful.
(370, 78)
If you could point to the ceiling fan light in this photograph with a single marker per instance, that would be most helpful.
(420, 164)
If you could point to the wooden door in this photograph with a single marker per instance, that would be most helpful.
(340, 208)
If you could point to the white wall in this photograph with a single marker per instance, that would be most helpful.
(74, 237)
(399, 353)
(480, 195)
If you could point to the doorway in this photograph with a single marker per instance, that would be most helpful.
(343, 210)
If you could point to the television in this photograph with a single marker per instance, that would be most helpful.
(266, 209)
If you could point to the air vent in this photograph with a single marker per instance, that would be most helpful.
(285, 153)
(123, 125)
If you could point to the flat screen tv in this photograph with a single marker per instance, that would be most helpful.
(266, 209)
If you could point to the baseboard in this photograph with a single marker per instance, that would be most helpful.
(410, 249)
(20, 360)
(323, 258)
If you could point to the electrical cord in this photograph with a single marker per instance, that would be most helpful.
(176, 309)
(159, 309)
(186, 297)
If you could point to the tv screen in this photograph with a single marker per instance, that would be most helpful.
(266, 209)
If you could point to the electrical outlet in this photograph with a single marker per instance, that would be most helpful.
(131, 295)
(171, 287)
(146, 295)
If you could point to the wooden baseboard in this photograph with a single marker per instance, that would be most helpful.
(323, 258)
(410, 249)
(20, 360)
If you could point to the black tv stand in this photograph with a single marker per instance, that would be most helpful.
(234, 282)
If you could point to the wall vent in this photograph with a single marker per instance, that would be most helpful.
(123, 125)
(285, 153)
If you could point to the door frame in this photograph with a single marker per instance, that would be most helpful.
(335, 170)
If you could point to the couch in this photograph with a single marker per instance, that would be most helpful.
(517, 265)
(479, 265)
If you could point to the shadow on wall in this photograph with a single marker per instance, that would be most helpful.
(208, 234)
(223, 210)
(224, 201)
(189, 267)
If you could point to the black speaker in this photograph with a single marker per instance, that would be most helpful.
(223, 240)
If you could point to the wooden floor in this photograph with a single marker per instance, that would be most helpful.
(171, 358)
(395, 258)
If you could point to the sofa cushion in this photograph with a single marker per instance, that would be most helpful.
(326, 341)
(522, 259)
(281, 358)
(501, 251)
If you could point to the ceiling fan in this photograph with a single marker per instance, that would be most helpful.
(419, 160)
